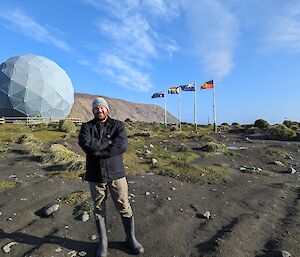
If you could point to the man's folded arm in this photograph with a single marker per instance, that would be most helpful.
(91, 145)
(118, 144)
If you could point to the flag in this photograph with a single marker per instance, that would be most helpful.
(174, 90)
(188, 87)
(157, 95)
(208, 84)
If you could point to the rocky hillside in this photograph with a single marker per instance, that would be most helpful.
(119, 109)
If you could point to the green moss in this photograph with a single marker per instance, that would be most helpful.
(75, 197)
(8, 184)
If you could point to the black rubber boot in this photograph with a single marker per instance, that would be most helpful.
(102, 250)
(131, 241)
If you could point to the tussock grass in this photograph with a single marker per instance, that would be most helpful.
(59, 154)
(75, 197)
(85, 206)
(278, 154)
(5, 149)
(75, 174)
(8, 184)
(215, 148)
(281, 132)
(188, 172)
(31, 145)
(208, 138)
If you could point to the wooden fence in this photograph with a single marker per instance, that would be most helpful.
(35, 120)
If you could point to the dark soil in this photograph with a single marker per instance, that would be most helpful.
(252, 214)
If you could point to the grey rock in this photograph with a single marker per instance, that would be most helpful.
(93, 237)
(82, 253)
(50, 208)
(278, 163)
(292, 170)
(85, 216)
(206, 214)
(285, 254)
(7, 248)
(153, 161)
(147, 152)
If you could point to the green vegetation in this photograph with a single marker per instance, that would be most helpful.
(280, 132)
(5, 149)
(8, 184)
(216, 148)
(85, 206)
(75, 197)
(274, 153)
(67, 126)
(31, 145)
(59, 154)
(207, 138)
(260, 123)
(195, 173)
(11, 133)
(253, 130)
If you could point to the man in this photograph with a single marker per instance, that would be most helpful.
(104, 141)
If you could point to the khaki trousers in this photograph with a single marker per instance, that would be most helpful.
(119, 191)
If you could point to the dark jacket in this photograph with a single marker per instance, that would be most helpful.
(104, 144)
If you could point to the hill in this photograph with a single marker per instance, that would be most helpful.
(119, 109)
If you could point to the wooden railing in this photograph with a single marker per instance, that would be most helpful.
(35, 120)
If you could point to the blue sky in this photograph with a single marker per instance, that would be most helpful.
(130, 49)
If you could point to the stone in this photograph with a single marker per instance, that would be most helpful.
(85, 216)
(292, 170)
(72, 253)
(93, 237)
(58, 250)
(151, 145)
(147, 193)
(7, 248)
(285, 254)
(206, 214)
(82, 253)
(147, 152)
(50, 209)
(278, 163)
(153, 161)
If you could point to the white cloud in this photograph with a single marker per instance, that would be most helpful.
(131, 36)
(123, 73)
(94, 3)
(162, 8)
(133, 41)
(214, 30)
(17, 20)
(283, 33)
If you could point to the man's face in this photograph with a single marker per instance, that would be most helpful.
(100, 112)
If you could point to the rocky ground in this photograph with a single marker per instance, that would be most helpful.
(254, 213)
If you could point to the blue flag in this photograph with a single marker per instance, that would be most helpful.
(188, 87)
(157, 95)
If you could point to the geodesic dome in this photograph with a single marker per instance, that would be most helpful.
(32, 85)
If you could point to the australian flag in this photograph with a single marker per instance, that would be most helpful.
(157, 95)
(188, 87)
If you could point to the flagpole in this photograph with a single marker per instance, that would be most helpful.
(179, 108)
(195, 108)
(155, 111)
(165, 93)
(214, 107)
